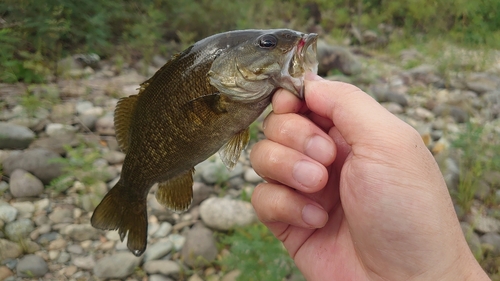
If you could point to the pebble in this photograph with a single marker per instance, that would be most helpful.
(119, 265)
(7, 213)
(252, 176)
(158, 250)
(164, 267)
(31, 266)
(200, 248)
(5, 273)
(105, 125)
(83, 106)
(24, 184)
(57, 129)
(177, 240)
(87, 262)
(14, 136)
(80, 232)
(158, 277)
(483, 224)
(10, 250)
(25, 208)
(164, 229)
(39, 161)
(225, 213)
(19, 229)
(492, 239)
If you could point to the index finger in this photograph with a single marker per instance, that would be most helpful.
(356, 115)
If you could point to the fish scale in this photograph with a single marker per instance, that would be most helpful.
(200, 102)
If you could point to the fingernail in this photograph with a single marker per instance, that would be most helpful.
(307, 173)
(313, 76)
(320, 149)
(314, 216)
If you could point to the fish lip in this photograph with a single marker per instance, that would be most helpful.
(301, 59)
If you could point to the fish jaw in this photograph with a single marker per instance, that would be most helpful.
(299, 61)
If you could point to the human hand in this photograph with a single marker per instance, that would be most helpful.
(353, 193)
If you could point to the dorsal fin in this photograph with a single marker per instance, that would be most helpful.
(125, 108)
(123, 115)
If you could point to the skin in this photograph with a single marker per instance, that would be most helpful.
(353, 193)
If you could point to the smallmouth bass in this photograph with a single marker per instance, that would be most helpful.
(200, 102)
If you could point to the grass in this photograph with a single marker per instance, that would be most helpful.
(257, 254)
(78, 166)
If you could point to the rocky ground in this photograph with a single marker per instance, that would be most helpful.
(59, 157)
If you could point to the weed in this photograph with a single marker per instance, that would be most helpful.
(257, 254)
(479, 152)
(78, 165)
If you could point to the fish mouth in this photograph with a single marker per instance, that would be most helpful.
(301, 59)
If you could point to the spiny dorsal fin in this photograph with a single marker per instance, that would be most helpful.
(123, 115)
(230, 152)
(177, 193)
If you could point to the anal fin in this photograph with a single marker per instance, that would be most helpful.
(230, 151)
(177, 193)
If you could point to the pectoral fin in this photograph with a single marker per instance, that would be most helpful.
(122, 119)
(177, 193)
(230, 152)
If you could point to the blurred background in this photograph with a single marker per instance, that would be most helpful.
(65, 63)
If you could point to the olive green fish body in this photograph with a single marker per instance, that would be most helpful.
(200, 102)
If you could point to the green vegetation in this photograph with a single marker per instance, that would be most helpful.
(258, 255)
(34, 35)
(479, 154)
(79, 165)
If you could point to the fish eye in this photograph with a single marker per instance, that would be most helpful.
(268, 41)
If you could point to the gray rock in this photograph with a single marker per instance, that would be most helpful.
(225, 213)
(119, 265)
(483, 224)
(114, 157)
(458, 114)
(9, 250)
(336, 57)
(80, 232)
(46, 238)
(200, 248)
(483, 190)
(57, 129)
(231, 275)
(61, 215)
(164, 267)
(105, 126)
(164, 229)
(31, 266)
(215, 172)
(393, 107)
(15, 136)
(201, 192)
(492, 239)
(38, 161)
(251, 176)
(19, 229)
(24, 184)
(158, 250)
(64, 257)
(63, 112)
(56, 143)
(177, 240)
(89, 121)
(25, 208)
(158, 277)
(492, 178)
(397, 98)
(83, 106)
(87, 262)
(7, 213)
(482, 82)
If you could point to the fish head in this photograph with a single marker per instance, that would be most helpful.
(263, 62)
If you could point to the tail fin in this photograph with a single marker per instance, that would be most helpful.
(117, 211)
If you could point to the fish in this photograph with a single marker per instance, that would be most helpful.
(200, 102)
